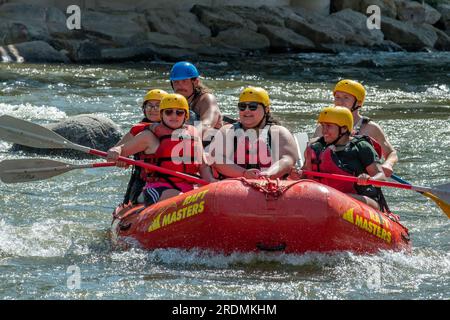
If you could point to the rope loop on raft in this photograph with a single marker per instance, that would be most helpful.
(271, 188)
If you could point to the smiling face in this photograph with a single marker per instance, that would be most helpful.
(249, 118)
(330, 131)
(151, 110)
(173, 118)
(184, 87)
(344, 99)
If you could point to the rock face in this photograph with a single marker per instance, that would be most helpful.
(410, 36)
(87, 130)
(284, 39)
(39, 33)
(34, 51)
(416, 12)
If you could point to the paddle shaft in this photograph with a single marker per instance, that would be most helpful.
(151, 167)
(370, 181)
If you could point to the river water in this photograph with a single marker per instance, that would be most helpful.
(55, 230)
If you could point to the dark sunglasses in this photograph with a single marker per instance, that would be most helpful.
(252, 106)
(179, 113)
(148, 105)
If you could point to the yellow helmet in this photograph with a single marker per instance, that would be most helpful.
(340, 116)
(155, 94)
(354, 88)
(255, 94)
(174, 101)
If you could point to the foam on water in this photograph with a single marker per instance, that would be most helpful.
(31, 112)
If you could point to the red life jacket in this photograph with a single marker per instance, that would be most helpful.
(138, 128)
(325, 163)
(253, 154)
(171, 152)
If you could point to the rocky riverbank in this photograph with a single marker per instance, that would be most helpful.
(33, 33)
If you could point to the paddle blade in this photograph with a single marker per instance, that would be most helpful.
(301, 139)
(30, 134)
(444, 206)
(26, 170)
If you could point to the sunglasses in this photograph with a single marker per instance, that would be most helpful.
(179, 113)
(252, 106)
(149, 105)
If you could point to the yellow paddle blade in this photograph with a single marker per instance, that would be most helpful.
(441, 203)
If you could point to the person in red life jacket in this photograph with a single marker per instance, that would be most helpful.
(351, 94)
(170, 144)
(185, 80)
(256, 146)
(150, 108)
(340, 153)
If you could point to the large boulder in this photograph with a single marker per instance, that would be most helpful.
(241, 38)
(36, 22)
(180, 23)
(261, 15)
(219, 19)
(92, 131)
(416, 12)
(319, 31)
(128, 54)
(167, 41)
(124, 28)
(388, 7)
(360, 34)
(35, 51)
(13, 32)
(412, 37)
(283, 39)
(444, 10)
(443, 39)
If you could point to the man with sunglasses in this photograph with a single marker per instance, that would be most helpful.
(170, 144)
(150, 108)
(185, 80)
(256, 146)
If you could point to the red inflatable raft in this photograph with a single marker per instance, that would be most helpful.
(239, 215)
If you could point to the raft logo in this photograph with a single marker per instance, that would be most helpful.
(74, 21)
(374, 21)
(74, 280)
(192, 205)
(376, 225)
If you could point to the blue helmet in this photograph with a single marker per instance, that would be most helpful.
(183, 70)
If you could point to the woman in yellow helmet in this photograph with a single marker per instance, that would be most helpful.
(255, 146)
(170, 144)
(340, 153)
(150, 108)
(351, 94)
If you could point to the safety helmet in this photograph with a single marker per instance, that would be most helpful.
(340, 116)
(155, 94)
(183, 70)
(174, 101)
(255, 94)
(354, 88)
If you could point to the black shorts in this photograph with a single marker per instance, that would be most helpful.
(152, 195)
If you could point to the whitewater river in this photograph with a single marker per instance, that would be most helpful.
(50, 230)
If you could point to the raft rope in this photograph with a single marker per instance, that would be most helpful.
(271, 188)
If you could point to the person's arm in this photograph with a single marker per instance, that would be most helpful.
(127, 137)
(374, 172)
(209, 112)
(144, 141)
(285, 151)
(389, 152)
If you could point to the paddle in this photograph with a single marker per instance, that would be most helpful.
(26, 170)
(444, 206)
(33, 135)
(441, 193)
